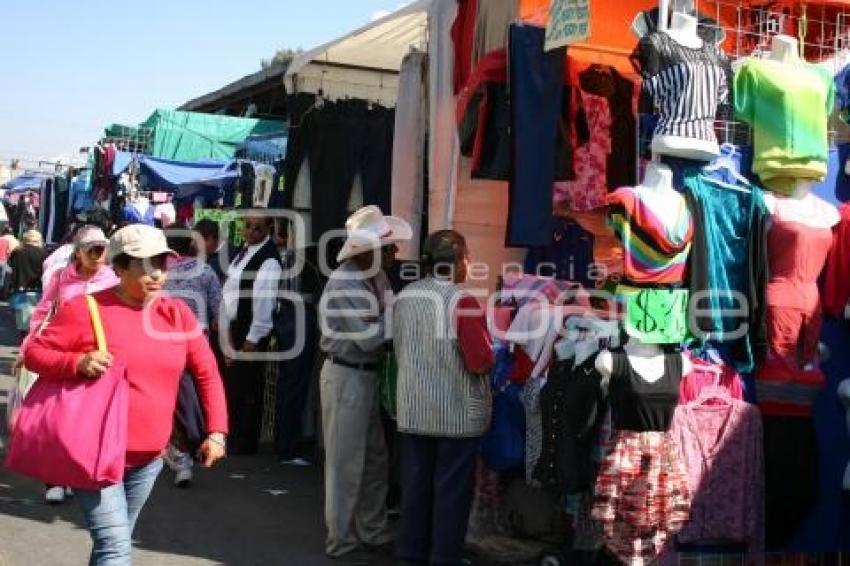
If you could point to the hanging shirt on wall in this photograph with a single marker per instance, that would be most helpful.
(788, 107)
(263, 185)
(721, 447)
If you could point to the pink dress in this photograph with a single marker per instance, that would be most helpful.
(589, 189)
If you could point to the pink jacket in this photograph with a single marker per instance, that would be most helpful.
(64, 285)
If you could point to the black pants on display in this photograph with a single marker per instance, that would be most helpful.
(344, 142)
(244, 384)
(790, 476)
(438, 486)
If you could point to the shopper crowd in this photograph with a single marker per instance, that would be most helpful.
(213, 311)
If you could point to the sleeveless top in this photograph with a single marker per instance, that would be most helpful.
(797, 254)
(638, 405)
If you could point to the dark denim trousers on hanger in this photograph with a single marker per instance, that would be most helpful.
(536, 92)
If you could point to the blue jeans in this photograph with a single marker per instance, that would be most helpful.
(110, 514)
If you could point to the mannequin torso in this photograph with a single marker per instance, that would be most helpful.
(784, 49)
(646, 359)
(657, 191)
(803, 207)
(683, 31)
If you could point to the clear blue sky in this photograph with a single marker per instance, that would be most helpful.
(71, 68)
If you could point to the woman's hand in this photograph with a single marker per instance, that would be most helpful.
(212, 450)
(94, 364)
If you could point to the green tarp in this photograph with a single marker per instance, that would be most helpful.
(193, 136)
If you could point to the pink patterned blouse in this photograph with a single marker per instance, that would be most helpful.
(721, 448)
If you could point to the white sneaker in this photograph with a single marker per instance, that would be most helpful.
(55, 495)
(183, 478)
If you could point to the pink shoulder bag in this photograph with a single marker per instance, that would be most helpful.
(72, 431)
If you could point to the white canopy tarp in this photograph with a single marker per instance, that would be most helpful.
(365, 62)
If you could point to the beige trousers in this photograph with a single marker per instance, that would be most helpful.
(356, 460)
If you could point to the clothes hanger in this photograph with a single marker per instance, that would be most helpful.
(724, 161)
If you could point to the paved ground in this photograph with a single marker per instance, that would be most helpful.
(248, 511)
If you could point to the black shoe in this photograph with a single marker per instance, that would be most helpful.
(385, 549)
(356, 557)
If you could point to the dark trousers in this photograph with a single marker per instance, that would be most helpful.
(438, 485)
(536, 90)
(244, 383)
(293, 387)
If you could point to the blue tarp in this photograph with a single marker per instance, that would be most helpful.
(186, 178)
(264, 148)
(25, 182)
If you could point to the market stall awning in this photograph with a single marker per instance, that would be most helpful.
(25, 182)
(368, 57)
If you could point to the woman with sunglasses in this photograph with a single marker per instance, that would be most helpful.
(86, 273)
(154, 337)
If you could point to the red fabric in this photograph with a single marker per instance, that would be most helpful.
(797, 254)
(4, 250)
(775, 372)
(703, 375)
(523, 366)
(463, 31)
(476, 345)
(836, 279)
(150, 343)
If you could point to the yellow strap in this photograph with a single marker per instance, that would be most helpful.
(96, 323)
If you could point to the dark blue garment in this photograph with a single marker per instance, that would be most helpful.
(293, 380)
(536, 91)
(827, 528)
(438, 485)
(568, 256)
(681, 168)
(503, 447)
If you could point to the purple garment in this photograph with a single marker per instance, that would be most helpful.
(197, 284)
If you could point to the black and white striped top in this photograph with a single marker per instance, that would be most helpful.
(437, 396)
(687, 86)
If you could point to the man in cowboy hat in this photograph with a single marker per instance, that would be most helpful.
(352, 322)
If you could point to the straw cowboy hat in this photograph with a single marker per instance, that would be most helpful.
(368, 229)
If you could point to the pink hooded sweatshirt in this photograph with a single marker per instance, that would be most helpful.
(64, 285)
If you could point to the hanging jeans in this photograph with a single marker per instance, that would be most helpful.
(110, 514)
(536, 91)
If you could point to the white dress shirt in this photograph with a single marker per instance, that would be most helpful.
(265, 290)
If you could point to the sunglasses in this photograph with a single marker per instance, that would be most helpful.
(95, 251)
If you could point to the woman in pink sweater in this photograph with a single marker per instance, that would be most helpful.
(155, 337)
(86, 273)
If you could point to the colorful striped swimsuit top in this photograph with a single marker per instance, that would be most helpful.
(656, 242)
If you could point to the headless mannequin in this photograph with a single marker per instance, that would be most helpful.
(784, 49)
(646, 359)
(683, 30)
(803, 207)
(657, 191)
